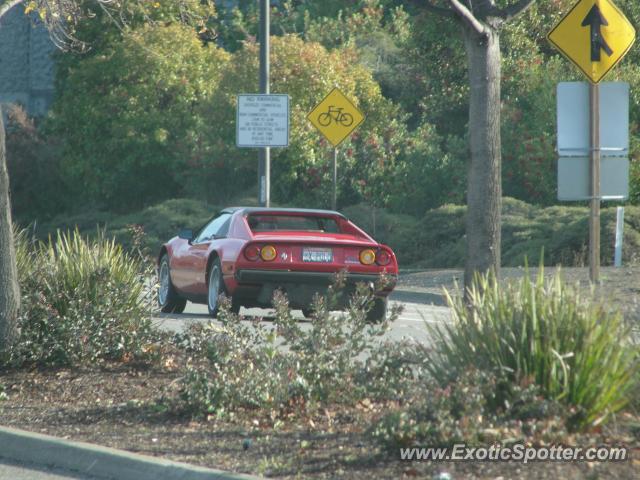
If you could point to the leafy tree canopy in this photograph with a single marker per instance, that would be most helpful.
(130, 116)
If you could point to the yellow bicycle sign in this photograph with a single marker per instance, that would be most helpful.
(335, 114)
(336, 117)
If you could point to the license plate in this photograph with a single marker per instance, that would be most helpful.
(317, 255)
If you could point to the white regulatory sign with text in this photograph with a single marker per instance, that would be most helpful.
(262, 120)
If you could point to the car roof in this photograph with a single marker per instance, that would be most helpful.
(249, 210)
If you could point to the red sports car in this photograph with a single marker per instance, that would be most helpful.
(247, 253)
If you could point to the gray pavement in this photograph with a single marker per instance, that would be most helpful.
(418, 309)
(31, 455)
(15, 471)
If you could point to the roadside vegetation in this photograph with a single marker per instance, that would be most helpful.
(533, 361)
(83, 301)
(140, 142)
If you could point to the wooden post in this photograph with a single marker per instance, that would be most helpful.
(594, 217)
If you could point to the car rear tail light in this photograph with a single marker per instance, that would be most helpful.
(383, 257)
(268, 253)
(367, 257)
(252, 253)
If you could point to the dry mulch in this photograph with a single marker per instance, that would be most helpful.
(122, 407)
(127, 407)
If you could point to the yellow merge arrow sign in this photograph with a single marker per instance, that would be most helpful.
(594, 35)
(336, 117)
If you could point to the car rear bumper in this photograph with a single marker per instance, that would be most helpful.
(321, 278)
(255, 287)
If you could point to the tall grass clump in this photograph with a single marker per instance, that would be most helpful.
(82, 300)
(544, 333)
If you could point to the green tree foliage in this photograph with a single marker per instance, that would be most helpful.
(105, 22)
(306, 71)
(404, 67)
(131, 118)
(38, 187)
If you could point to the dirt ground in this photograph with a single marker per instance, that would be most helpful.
(125, 406)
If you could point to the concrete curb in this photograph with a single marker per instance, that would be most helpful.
(101, 462)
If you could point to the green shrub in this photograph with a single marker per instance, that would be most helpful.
(562, 231)
(442, 237)
(82, 301)
(159, 223)
(162, 221)
(399, 231)
(574, 350)
(284, 367)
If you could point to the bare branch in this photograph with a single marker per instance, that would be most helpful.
(514, 10)
(465, 15)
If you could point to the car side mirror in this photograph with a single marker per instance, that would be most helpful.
(186, 234)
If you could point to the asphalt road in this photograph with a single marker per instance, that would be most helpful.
(418, 307)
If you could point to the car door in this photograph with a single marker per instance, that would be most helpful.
(195, 259)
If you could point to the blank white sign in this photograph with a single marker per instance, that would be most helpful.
(573, 119)
(574, 184)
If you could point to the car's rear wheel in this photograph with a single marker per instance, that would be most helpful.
(307, 312)
(378, 311)
(216, 288)
(168, 299)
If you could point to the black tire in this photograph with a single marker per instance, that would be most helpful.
(308, 312)
(169, 301)
(378, 312)
(213, 307)
(215, 287)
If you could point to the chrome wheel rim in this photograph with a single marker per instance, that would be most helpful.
(163, 292)
(214, 287)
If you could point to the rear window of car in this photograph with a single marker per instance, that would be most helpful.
(296, 223)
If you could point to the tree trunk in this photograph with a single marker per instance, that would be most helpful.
(9, 289)
(484, 189)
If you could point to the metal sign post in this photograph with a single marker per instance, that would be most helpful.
(334, 197)
(594, 217)
(264, 155)
(617, 258)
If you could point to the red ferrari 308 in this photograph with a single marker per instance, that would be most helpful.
(247, 253)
